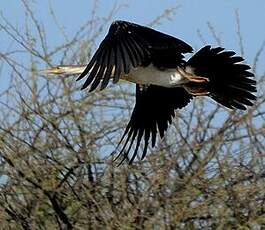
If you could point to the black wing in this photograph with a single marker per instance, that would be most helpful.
(153, 112)
(130, 45)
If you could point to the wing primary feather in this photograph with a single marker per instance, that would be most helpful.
(128, 128)
(90, 64)
(132, 141)
(154, 131)
(122, 160)
(84, 73)
(142, 51)
(138, 52)
(124, 146)
(101, 71)
(162, 126)
(118, 65)
(125, 58)
(146, 141)
(237, 105)
(130, 53)
(139, 138)
(93, 72)
(134, 52)
(108, 72)
(127, 139)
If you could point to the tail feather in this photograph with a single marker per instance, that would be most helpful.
(230, 81)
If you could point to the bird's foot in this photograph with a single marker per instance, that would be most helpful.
(191, 77)
(197, 79)
(196, 91)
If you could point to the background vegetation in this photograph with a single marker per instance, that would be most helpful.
(55, 169)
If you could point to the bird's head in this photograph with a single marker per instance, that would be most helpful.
(63, 69)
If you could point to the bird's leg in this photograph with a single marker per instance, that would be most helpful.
(195, 84)
(196, 90)
(191, 77)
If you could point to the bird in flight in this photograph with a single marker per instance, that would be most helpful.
(154, 61)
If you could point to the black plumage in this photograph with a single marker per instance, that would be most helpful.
(128, 46)
(230, 82)
(153, 112)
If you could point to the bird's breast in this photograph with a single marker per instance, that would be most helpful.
(152, 75)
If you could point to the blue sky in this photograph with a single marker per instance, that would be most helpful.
(189, 17)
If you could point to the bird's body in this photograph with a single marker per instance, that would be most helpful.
(151, 75)
(155, 60)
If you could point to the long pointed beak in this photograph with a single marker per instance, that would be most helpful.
(63, 69)
(51, 71)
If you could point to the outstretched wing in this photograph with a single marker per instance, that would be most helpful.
(130, 45)
(153, 112)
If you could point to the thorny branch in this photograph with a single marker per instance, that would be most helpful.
(55, 169)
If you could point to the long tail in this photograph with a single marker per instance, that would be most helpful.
(230, 82)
